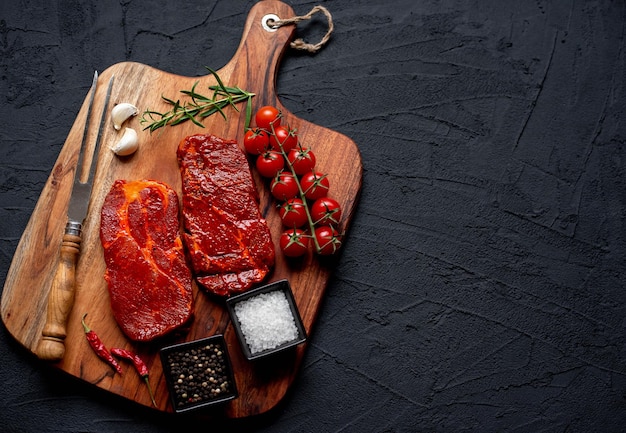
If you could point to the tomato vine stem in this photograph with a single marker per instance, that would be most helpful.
(301, 192)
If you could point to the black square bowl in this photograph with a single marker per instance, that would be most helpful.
(198, 373)
(274, 321)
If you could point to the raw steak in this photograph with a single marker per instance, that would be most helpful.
(148, 278)
(226, 236)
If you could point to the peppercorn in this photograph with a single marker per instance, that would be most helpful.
(199, 373)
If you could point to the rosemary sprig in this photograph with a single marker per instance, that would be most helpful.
(200, 106)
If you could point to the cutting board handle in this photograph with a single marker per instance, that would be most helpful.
(261, 49)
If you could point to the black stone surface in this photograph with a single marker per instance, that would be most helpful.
(482, 285)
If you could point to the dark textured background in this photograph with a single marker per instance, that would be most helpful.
(482, 285)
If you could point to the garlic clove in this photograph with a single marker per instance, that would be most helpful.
(122, 112)
(128, 144)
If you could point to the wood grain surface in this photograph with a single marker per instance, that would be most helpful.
(253, 67)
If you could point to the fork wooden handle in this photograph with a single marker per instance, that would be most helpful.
(60, 300)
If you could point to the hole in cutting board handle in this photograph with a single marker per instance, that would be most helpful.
(265, 22)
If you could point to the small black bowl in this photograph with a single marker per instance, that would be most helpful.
(277, 321)
(198, 373)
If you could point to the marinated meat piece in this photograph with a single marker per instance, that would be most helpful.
(148, 278)
(227, 238)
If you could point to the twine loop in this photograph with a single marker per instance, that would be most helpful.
(300, 44)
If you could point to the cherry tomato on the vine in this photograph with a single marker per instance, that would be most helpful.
(284, 186)
(285, 137)
(302, 160)
(294, 242)
(255, 141)
(270, 163)
(293, 213)
(267, 116)
(314, 185)
(326, 210)
(328, 239)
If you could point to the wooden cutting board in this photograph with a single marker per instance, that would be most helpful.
(254, 66)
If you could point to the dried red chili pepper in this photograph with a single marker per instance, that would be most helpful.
(99, 348)
(140, 366)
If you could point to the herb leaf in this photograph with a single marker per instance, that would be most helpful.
(199, 106)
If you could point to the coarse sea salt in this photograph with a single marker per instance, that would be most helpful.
(266, 321)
